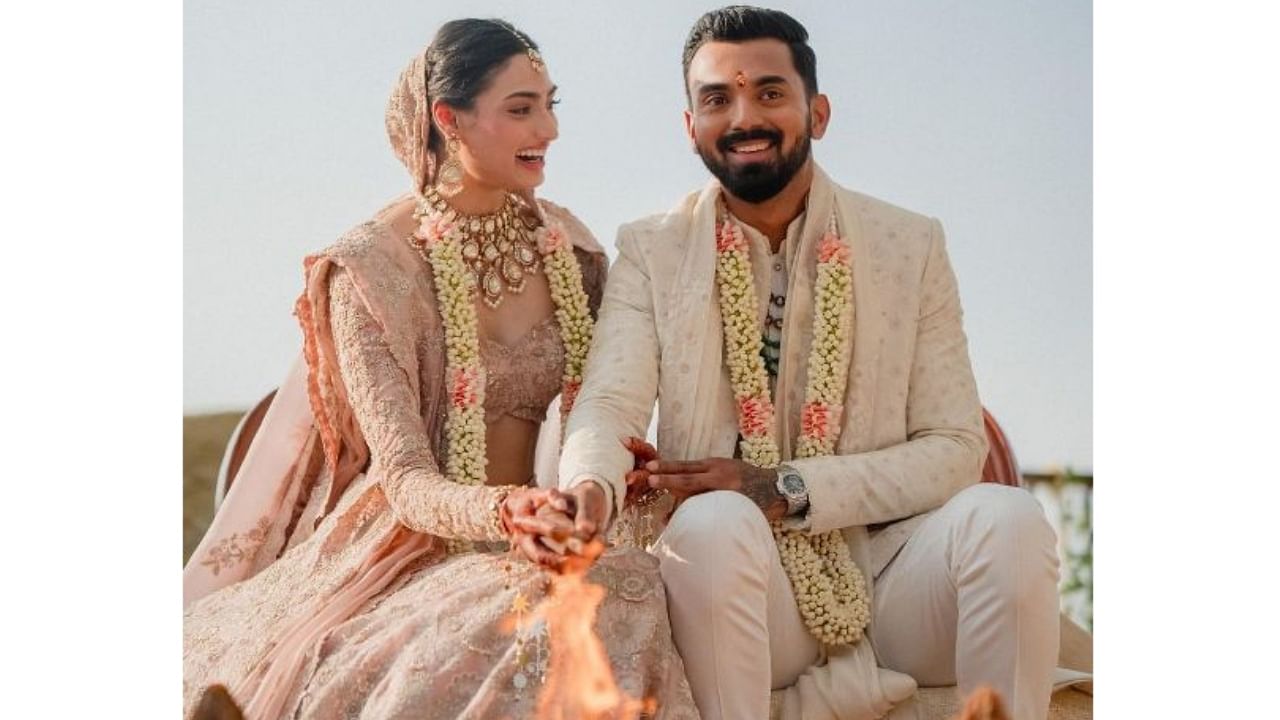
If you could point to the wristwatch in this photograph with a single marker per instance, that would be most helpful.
(791, 486)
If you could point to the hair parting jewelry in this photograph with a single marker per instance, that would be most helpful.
(535, 57)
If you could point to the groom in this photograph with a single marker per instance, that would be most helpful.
(878, 429)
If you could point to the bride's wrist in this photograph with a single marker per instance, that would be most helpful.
(498, 509)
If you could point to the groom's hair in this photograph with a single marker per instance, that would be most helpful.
(739, 23)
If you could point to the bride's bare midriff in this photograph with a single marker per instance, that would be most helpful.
(510, 444)
(509, 441)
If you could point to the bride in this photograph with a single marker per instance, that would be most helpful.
(357, 566)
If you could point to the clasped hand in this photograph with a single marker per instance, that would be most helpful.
(546, 523)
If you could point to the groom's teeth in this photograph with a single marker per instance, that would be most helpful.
(751, 147)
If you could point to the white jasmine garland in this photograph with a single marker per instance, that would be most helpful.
(830, 590)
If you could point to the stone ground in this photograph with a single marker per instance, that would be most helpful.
(204, 438)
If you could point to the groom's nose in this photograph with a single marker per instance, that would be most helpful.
(743, 114)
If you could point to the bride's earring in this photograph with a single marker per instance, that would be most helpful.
(449, 178)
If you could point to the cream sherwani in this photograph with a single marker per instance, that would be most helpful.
(911, 440)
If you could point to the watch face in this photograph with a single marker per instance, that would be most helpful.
(793, 484)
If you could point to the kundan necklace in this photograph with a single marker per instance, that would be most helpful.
(496, 247)
(829, 588)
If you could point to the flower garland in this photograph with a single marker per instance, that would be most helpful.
(572, 311)
(830, 590)
(439, 240)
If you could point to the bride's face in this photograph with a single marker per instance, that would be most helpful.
(506, 133)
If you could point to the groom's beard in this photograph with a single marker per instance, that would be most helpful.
(756, 182)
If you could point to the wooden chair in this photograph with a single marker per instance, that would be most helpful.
(1075, 643)
(238, 446)
(1001, 466)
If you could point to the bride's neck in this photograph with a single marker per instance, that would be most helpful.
(477, 198)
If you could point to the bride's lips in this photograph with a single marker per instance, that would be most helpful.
(532, 158)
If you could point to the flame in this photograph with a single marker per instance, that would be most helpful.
(983, 704)
(579, 682)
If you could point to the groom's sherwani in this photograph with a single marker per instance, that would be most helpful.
(911, 432)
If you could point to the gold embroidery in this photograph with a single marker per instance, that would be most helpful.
(237, 548)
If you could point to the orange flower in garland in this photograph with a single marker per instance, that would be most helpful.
(432, 229)
(569, 396)
(816, 419)
(831, 249)
(755, 417)
(465, 383)
(550, 239)
(729, 238)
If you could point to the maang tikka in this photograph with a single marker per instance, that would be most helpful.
(535, 57)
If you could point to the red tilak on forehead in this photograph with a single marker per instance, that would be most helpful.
(741, 77)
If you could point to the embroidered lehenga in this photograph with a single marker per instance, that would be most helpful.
(324, 588)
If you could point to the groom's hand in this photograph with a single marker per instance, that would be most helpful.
(590, 508)
(686, 478)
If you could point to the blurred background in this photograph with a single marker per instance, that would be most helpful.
(977, 113)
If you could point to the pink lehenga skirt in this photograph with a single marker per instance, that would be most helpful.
(367, 619)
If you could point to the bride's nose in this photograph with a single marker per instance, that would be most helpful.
(548, 127)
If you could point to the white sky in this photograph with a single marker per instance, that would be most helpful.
(977, 113)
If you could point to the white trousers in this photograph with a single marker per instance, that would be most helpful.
(971, 599)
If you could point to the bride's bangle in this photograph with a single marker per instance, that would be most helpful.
(496, 507)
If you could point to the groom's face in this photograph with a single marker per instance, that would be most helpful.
(749, 116)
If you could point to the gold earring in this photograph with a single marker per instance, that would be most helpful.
(449, 178)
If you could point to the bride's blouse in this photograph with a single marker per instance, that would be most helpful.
(522, 380)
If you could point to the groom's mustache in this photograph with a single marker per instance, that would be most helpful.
(728, 141)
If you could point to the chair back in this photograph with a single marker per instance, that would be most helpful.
(1001, 466)
(238, 447)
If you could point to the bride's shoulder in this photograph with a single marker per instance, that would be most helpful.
(382, 234)
(397, 217)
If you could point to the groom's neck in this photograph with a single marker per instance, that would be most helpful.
(772, 216)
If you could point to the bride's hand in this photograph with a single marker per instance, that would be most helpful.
(538, 523)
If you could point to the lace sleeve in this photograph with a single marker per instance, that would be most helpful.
(388, 413)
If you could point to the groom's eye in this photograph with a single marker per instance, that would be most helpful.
(714, 99)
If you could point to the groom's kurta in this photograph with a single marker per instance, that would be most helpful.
(911, 431)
